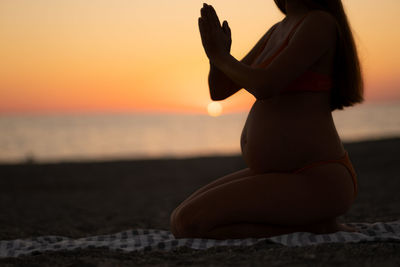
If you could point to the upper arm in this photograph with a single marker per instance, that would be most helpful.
(311, 41)
(251, 55)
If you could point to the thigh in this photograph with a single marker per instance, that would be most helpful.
(225, 179)
(273, 198)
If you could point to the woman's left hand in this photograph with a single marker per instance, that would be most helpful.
(215, 41)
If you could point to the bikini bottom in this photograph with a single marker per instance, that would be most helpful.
(345, 160)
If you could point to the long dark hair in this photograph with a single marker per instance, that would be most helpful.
(348, 84)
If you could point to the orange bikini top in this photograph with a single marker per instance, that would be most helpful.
(309, 80)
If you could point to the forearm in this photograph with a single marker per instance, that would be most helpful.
(252, 79)
(216, 76)
(221, 86)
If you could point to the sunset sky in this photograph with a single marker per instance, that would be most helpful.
(61, 56)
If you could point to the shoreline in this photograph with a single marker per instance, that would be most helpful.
(32, 161)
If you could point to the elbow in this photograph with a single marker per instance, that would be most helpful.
(214, 95)
(222, 95)
(223, 92)
(217, 97)
(215, 92)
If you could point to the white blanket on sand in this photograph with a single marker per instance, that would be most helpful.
(153, 239)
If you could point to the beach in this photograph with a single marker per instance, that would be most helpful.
(91, 198)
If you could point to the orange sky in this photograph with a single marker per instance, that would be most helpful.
(127, 55)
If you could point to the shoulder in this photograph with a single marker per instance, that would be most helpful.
(318, 25)
(321, 14)
(319, 19)
(273, 27)
(269, 32)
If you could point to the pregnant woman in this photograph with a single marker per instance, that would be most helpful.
(299, 176)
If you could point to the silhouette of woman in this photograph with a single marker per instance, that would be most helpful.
(299, 176)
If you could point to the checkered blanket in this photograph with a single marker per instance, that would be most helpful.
(153, 239)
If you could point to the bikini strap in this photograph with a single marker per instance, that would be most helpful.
(345, 160)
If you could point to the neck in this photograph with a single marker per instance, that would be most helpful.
(295, 8)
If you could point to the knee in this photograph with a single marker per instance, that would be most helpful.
(182, 224)
(174, 224)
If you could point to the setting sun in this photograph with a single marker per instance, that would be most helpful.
(214, 109)
(78, 57)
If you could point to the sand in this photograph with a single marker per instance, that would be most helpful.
(83, 199)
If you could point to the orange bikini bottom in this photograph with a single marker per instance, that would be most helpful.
(345, 160)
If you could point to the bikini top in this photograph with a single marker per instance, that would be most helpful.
(309, 80)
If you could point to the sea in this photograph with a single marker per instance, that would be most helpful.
(100, 137)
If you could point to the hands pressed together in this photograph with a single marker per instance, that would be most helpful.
(216, 39)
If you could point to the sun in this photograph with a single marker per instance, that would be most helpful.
(214, 109)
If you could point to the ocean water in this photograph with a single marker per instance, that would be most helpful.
(57, 138)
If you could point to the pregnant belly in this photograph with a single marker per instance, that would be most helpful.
(262, 151)
(277, 139)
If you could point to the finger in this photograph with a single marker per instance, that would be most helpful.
(224, 28)
(229, 29)
(203, 28)
(201, 25)
(206, 24)
(204, 17)
(208, 21)
(213, 16)
(203, 12)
